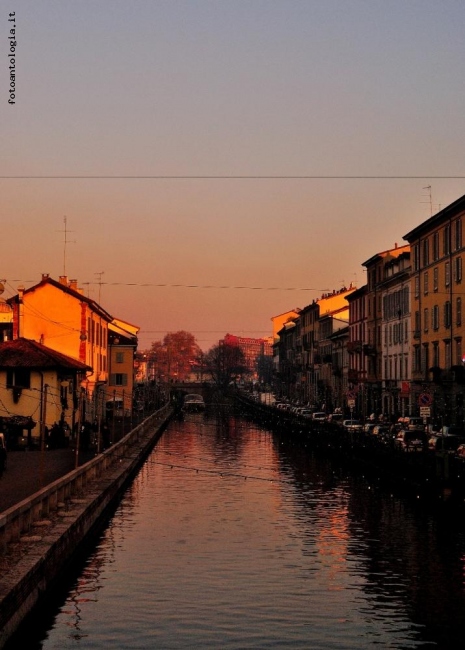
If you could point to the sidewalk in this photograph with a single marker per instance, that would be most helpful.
(28, 471)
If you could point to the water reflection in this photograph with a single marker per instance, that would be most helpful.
(234, 537)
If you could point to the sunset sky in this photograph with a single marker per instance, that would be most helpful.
(141, 104)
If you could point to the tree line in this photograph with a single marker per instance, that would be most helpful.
(178, 357)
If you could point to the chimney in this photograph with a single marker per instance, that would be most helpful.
(73, 285)
(63, 279)
(45, 276)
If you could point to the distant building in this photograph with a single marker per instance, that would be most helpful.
(122, 338)
(253, 350)
(379, 269)
(279, 321)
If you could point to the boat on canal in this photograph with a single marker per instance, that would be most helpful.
(193, 403)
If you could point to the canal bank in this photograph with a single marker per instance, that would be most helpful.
(429, 476)
(234, 536)
(40, 536)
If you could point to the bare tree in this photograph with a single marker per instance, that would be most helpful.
(173, 357)
(224, 362)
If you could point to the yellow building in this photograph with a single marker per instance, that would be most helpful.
(58, 315)
(437, 297)
(280, 320)
(36, 393)
(122, 349)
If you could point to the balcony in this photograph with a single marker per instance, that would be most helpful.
(369, 350)
(354, 347)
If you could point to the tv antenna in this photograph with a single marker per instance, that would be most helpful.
(66, 241)
(99, 273)
(430, 201)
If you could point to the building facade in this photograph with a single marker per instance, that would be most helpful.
(437, 300)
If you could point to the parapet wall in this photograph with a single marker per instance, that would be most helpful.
(40, 535)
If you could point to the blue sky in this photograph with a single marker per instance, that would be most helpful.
(257, 88)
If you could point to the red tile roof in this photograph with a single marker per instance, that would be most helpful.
(23, 353)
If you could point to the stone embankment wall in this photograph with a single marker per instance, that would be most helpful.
(432, 477)
(42, 534)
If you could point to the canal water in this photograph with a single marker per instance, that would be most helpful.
(234, 537)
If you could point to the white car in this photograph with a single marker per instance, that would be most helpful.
(352, 425)
(319, 417)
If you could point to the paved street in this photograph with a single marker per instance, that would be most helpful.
(29, 471)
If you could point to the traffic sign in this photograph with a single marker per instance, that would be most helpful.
(351, 403)
(425, 399)
(425, 411)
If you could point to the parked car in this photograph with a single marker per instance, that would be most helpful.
(336, 418)
(368, 427)
(445, 442)
(380, 430)
(454, 431)
(460, 453)
(2, 453)
(411, 440)
(319, 416)
(352, 425)
(306, 413)
(414, 423)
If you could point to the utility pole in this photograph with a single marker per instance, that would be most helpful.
(65, 243)
(430, 201)
(100, 273)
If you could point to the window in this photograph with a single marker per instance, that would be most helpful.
(425, 252)
(416, 358)
(416, 333)
(416, 257)
(446, 240)
(458, 315)
(425, 358)
(425, 320)
(435, 317)
(458, 234)
(119, 379)
(447, 357)
(18, 378)
(447, 274)
(417, 286)
(435, 279)
(447, 314)
(425, 283)
(458, 269)
(120, 357)
(436, 246)
(458, 351)
(436, 354)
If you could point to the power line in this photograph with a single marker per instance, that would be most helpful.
(188, 286)
(231, 177)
